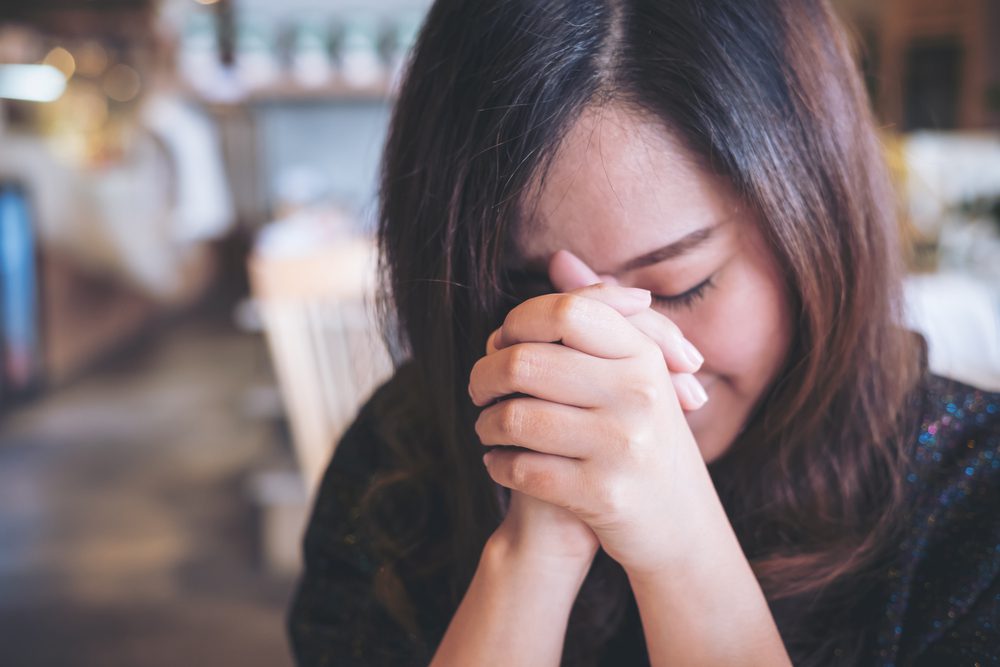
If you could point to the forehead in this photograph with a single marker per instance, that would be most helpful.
(619, 186)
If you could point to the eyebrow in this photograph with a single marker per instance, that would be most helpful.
(679, 247)
(536, 276)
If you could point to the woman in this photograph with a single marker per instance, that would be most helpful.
(668, 226)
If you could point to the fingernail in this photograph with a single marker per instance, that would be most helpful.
(639, 295)
(695, 392)
(692, 354)
(700, 395)
(608, 278)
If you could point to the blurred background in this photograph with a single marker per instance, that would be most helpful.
(187, 196)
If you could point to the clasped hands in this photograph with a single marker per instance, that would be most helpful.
(595, 445)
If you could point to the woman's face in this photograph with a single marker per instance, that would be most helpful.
(624, 197)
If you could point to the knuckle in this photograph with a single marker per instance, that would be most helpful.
(521, 472)
(567, 308)
(527, 476)
(520, 363)
(625, 442)
(611, 497)
(644, 393)
(510, 419)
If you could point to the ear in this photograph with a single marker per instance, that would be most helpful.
(568, 272)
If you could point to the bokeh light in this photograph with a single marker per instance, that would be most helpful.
(62, 60)
(91, 59)
(122, 83)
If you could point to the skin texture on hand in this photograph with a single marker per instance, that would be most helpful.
(583, 431)
(597, 446)
(568, 272)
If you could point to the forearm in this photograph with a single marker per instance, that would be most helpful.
(515, 611)
(708, 610)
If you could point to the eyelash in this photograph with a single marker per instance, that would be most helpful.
(688, 298)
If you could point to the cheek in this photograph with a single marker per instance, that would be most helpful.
(744, 330)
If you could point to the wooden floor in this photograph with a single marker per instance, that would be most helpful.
(127, 535)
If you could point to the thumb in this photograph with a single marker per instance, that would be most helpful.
(568, 272)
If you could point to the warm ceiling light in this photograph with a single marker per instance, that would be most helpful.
(31, 83)
(62, 60)
(91, 59)
(206, 2)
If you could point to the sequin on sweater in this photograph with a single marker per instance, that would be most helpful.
(943, 606)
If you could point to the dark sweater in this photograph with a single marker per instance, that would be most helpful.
(941, 600)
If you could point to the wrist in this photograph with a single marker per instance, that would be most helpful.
(683, 605)
(515, 611)
(508, 551)
(701, 541)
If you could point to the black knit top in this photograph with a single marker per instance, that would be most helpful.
(939, 605)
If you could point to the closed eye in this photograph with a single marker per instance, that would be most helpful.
(686, 299)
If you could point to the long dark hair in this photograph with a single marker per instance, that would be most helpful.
(765, 92)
